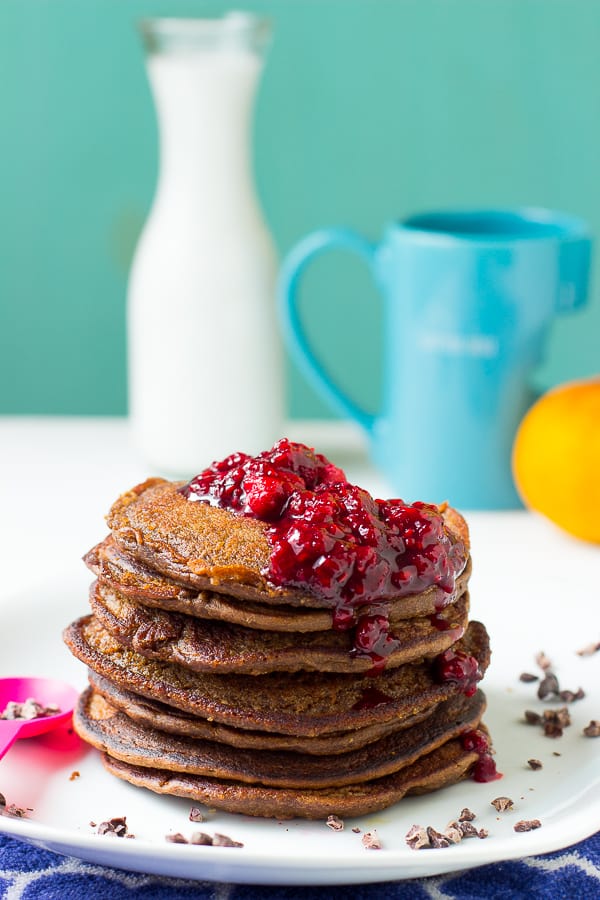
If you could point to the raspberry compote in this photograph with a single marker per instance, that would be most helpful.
(484, 769)
(333, 539)
(458, 668)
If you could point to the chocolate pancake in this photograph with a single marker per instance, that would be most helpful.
(238, 623)
(300, 703)
(444, 766)
(206, 547)
(139, 583)
(158, 715)
(110, 730)
(134, 580)
(216, 646)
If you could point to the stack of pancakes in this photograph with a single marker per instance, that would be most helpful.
(209, 683)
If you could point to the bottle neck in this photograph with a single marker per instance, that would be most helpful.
(204, 105)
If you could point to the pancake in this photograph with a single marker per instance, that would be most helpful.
(110, 730)
(204, 646)
(158, 715)
(136, 581)
(444, 766)
(299, 703)
(272, 640)
(206, 547)
(122, 573)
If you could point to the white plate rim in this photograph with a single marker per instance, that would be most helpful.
(332, 869)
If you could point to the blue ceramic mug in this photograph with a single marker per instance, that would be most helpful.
(469, 297)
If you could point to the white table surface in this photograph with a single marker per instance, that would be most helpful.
(59, 476)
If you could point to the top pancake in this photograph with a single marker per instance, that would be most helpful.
(206, 547)
(118, 571)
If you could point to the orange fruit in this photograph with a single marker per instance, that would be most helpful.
(556, 457)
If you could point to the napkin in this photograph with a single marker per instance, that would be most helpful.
(30, 873)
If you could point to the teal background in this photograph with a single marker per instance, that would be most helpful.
(369, 110)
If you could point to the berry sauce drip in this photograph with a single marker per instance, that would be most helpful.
(458, 668)
(370, 698)
(334, 539)
(484, 769)
(440, 622)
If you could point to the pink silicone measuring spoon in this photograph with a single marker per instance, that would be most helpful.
(47, 692)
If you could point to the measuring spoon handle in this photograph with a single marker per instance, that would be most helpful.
(9, 732)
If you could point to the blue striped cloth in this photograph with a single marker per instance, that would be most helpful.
(28, 873)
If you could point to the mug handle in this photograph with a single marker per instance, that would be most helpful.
(574, 273)
(291, 271)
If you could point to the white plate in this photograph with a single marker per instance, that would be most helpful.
(525, 612)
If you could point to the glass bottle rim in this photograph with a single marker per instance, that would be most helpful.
(233, 30)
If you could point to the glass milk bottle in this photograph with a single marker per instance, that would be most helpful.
(205, 375)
